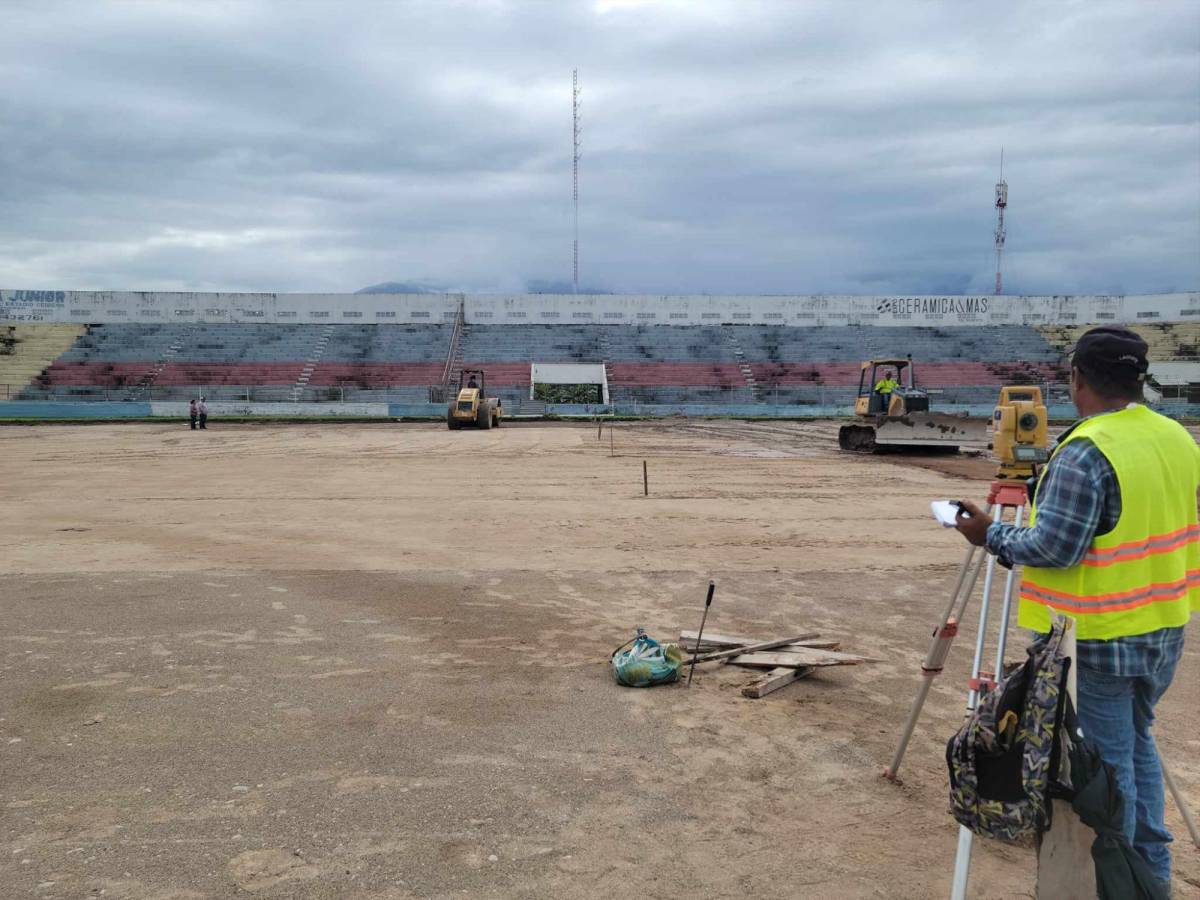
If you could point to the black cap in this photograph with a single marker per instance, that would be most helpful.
(1112, 350)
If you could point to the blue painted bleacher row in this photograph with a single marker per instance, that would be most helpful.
(853, 343)
(540, 343)
(759, 343)
(561, 343)
(674, 343)
(597, 343)
(387, 343)
(226, 343)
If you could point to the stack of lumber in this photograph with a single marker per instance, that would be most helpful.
(788, 659)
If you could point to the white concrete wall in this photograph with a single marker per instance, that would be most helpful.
(1175, 373)
(568, 373)
(501, 309)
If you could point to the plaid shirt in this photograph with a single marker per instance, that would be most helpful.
(1078, 498)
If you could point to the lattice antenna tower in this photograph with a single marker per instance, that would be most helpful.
(1001, 205)
(575, 169)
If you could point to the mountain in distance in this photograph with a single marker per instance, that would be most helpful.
(403, 287)
(551, 286)
(533, 286)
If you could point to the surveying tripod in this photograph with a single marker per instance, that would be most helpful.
(1003, 495)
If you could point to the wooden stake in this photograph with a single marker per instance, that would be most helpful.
(645, 480)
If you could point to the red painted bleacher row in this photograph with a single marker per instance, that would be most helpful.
(178, 374)
(173, 374)
(376, 375)
(650, 374)
(833, 374)
(944, 374)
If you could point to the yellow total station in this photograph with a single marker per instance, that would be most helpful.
(1019, 431)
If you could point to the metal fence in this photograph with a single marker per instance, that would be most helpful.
(1053, 394)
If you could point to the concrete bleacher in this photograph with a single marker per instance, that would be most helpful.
(247, 361)
(1166, 340)
(27, 349)
(669, 343)
(645, 364)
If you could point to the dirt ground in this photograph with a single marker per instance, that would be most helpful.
(371, 661)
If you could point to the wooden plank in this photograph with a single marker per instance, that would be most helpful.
(774, 680)
(711, 641)
(761, 645)
(717, 640)
(813, 645)
(798, 657)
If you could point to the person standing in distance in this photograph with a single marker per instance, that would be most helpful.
(1114, 542)
(193, 412)
(202, 408)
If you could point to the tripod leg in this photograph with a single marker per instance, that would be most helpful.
(939, 649)
(962, 857)
(962, 864)
(981, 637)
(1006, 610)
(1180, 803)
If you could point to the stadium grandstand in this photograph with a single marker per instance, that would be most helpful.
(699, 355)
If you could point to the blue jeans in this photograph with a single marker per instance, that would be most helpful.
(1116, 712)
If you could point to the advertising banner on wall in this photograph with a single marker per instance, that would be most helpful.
(86, 307)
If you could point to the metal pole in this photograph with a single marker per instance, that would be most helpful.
(700, 633)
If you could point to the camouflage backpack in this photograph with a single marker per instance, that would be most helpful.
(1001, 760)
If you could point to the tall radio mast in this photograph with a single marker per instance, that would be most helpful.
(575, 168)
(1001, 203)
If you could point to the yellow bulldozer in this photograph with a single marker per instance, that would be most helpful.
(895, 414)
(470, 406)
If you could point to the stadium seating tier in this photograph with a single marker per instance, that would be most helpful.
(646, 364)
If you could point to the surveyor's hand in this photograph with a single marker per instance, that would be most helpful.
(972, 522)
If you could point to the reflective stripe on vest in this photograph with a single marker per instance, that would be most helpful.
(1145, 574)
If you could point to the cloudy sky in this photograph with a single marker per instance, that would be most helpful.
(728, 147)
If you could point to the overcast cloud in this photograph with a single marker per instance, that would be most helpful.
(728, 147)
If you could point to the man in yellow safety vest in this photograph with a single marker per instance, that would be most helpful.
(884, 388)
(1113, 540)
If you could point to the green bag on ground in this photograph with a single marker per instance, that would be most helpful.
(644, 662)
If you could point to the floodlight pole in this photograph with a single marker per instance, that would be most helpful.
(575, 172)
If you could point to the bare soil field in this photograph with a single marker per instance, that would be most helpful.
(371, 661)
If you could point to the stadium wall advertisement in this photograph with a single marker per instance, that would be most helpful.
(82, 307)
